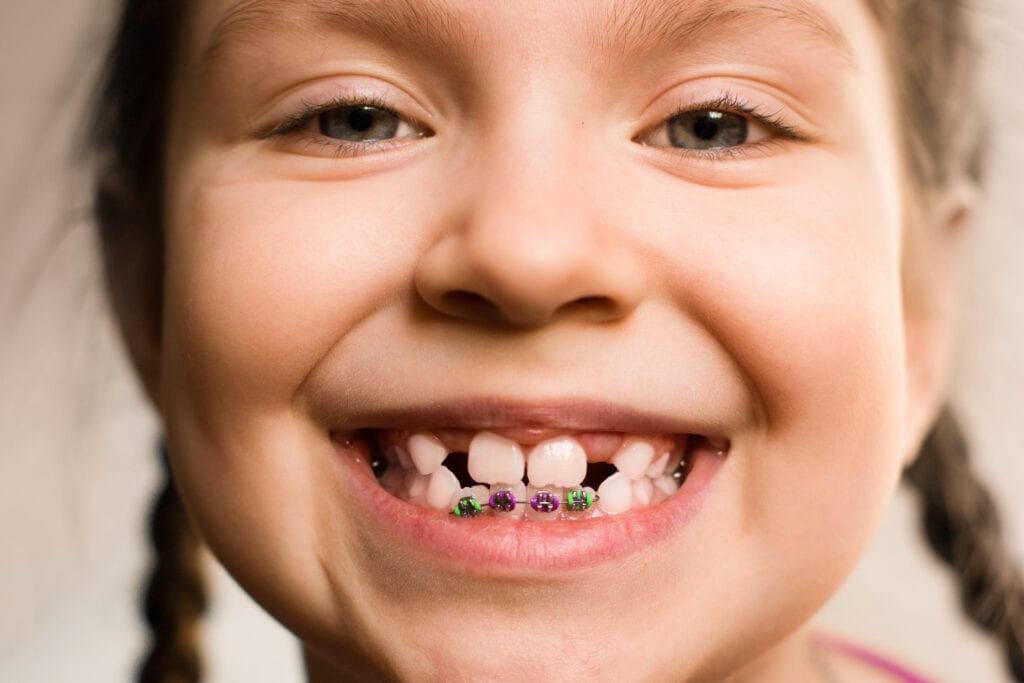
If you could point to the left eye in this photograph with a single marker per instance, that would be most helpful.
(360, 123)
(706, 129)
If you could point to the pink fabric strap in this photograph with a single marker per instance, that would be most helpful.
(897, 671)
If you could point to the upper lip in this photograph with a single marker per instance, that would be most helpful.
(540, 419)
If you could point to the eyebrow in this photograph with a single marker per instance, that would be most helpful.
(424, 25)
(645, 25)
(430, 27)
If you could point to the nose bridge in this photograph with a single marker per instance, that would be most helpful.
(530, 207)
(530, 244)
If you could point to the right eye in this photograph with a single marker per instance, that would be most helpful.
(363, 123)
(348, 127)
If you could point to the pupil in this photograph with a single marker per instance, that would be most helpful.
(707, 126)
(361, 119)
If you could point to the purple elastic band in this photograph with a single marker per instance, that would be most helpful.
(868, 657)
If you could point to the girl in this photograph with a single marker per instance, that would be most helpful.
(515, 340)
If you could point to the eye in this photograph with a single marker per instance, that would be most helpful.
(707, 130)
(360, 123)
(722, 128)
(347, 127)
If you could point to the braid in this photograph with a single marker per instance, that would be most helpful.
(176, 594)
(962, 526)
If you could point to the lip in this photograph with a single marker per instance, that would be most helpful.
(496, 547)
(531, 420)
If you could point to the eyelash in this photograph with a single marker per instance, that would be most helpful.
(734, 104)
(293, 125)
(728, 103)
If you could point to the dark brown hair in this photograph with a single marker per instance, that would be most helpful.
(931, 56)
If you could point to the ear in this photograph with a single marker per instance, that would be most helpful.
(132, 250)
(934, 263)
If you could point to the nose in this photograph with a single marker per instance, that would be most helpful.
(529, 246)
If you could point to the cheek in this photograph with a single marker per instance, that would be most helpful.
(265, 277)
(800, 284)
(264, 280)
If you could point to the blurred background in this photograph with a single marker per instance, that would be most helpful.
(77, 463)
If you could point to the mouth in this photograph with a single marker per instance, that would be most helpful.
(528, 493)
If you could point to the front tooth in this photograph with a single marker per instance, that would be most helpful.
(441, 487)
(616, 494)
(634, 459)
(427, 452)
(519, 492)
(547, 498)
(495, 460)
(557, 462)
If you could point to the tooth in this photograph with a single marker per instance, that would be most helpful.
(416, 484)
(658, 496)
(634, 459)
(540, 515)
(477, 492)
(616, 494)
(440, 488)
(427, 452)
(657, 467)
(576, 513)
(643, 488)
(495, 460)
(667, 484)
(557, 462)
(519, 491)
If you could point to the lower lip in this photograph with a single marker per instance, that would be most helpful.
(490, 545)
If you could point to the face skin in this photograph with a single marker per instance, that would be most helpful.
(532, 238)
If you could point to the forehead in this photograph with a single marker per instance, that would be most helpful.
(615, 29)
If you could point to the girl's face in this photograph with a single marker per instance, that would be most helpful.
(656, 226)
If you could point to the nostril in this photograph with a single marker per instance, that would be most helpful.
(470, 305)
(601, 307)
(466, 304)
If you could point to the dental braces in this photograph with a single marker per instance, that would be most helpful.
(504, 500)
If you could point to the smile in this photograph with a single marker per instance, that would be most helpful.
(564, 477)
(536, 493)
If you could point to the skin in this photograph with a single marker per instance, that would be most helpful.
(761, 291)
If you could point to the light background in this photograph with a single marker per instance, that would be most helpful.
(76, 464)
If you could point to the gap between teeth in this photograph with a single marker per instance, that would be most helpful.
(647, 471)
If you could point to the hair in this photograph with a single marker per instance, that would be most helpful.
(931, 59)
(175, 596)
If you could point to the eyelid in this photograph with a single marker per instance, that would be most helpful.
(309, 110)
(733, 104)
